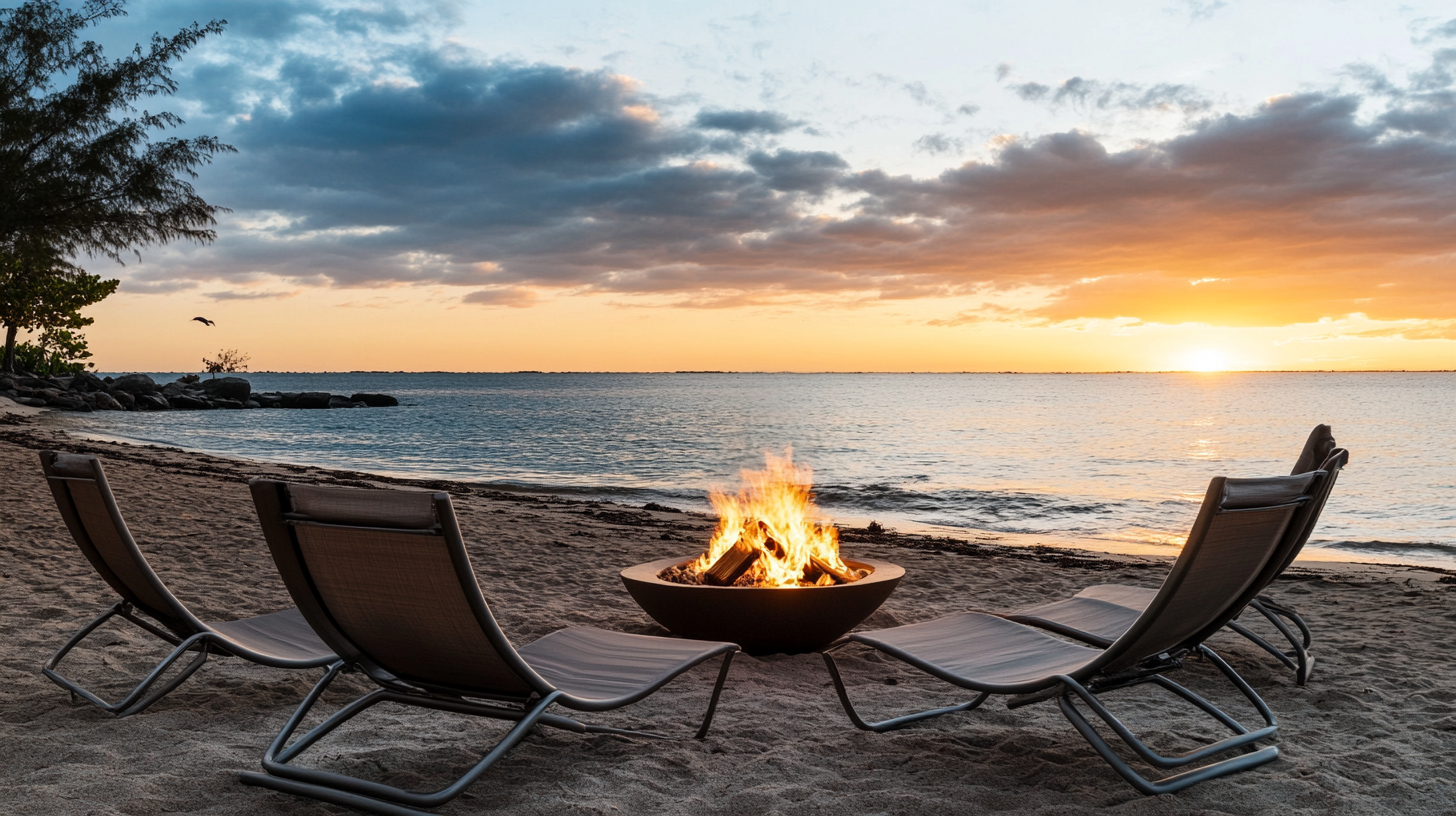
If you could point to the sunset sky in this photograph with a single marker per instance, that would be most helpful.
(808, 186)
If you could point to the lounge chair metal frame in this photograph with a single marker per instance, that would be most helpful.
(1141, 656)
(527, 707)
(86, 503)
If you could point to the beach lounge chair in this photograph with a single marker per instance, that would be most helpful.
(384, 578)
(1100, 614)
(282, 639)
(1238, 529)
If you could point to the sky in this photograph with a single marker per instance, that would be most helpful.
(807, 186)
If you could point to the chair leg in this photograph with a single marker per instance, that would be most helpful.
(1298, 657)
(1243, 738)
(138, 699)
(897, 722)
(374, 796)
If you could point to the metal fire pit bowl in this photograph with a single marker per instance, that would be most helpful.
(762, 620)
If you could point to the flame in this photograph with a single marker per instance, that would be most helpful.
(774, 512)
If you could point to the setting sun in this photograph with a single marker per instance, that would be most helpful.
(1205, 359)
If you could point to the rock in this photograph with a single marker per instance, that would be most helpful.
(224, 402)
(173, 389)
(88, 383)
(336, 401)
(269, 400)
(252, 404)
(62, 382)
(375, 400)
(288, 400)
(135, 384)
(152, 402)
(7, 382)
(232, 388)
(102, 401)
(70, 402)
(125, 400)
(28, 381)
(188, 378)
(313, 399)
(187, 402)
(33, 402)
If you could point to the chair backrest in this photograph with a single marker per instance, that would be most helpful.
(1332, 465)
(1317, 448)
(1238, 530)
(383, 578)
(89, 509)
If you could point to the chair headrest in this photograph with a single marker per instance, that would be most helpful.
(73, 465)
(360, 507)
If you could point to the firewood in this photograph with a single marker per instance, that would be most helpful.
(772, 544)
(731, 565)
(842, 576)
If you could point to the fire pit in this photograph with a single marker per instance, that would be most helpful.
(772, 579)
(762, 620)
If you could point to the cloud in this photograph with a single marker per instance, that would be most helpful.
(515, 297)
(1090, 93)
(938, 144)
(232, 294)
(417, 164)
(745, 121)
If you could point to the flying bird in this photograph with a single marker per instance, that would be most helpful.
(204, 321)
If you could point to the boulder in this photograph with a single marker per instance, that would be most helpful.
(224, 402)
(172, 389)
(152, 402)
(70, 402)
(252, 404)
(187, 402)
(269, 400)
(33, 402)
(288, 400)
(87, 383)
(125, 400)
(102, 401)
(135, 384)
(313, 399)
(62, 382)
(233, 388)
(375, 400)
(336, 401)
(28, 381)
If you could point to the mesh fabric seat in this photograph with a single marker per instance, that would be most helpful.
(1100, 614)
(383, 578)
(281, 639)
(1236, 534)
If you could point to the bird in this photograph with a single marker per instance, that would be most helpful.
(204, 321)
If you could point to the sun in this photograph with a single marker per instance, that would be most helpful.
(1205, 359)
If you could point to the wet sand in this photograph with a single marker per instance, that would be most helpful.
(1373, 733)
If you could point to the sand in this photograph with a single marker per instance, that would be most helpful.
(1374, 732)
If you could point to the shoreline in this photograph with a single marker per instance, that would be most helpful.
(1360, 739)
(1313, 557)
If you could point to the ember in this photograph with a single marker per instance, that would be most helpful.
(769, 535)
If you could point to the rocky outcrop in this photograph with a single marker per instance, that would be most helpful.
(139, 392)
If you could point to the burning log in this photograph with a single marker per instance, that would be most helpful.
(819, 565)
(730, 567)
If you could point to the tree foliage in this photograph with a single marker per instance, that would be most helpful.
(227, 362)
(79, 169)
(56, 351)
(40, 291)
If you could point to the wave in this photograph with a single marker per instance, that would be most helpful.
(1424, 551)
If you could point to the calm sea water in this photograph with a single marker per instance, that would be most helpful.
(1119, 459)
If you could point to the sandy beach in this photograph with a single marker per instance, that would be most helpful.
(1373, 733)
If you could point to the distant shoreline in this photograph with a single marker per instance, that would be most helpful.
(877, 373)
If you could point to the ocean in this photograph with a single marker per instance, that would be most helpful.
(1118, 461)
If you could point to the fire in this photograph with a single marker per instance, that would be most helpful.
(774, 514)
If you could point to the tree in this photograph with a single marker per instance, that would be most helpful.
(227, 362)
(56, 351)
(39, 291)
(78, 167)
